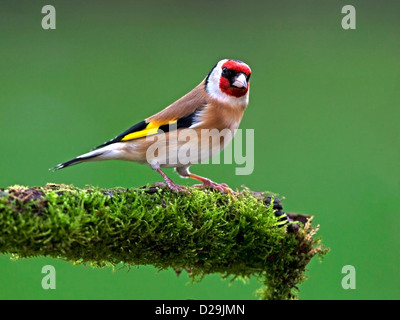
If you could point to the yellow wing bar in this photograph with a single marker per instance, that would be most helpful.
(151, 128)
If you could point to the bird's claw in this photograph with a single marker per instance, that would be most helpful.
(221, 187)
(173, 186)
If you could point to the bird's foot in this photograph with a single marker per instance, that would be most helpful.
(221, 187)
(173, 186)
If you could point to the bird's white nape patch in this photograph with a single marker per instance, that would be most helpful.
(215, 91)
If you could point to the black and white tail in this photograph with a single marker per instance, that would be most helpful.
(95, 155)
(71, 162)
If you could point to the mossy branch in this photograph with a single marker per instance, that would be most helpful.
(241, 235)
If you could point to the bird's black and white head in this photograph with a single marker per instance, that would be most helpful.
(228, 82)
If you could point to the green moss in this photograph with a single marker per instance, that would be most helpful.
(205, 232)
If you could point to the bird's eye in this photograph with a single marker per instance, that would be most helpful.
(224, 70)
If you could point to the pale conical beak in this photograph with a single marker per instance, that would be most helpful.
(240, 81)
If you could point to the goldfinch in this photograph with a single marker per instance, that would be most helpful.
(209, 115)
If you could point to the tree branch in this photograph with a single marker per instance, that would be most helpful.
(206, 232)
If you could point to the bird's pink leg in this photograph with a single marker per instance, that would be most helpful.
(172, 185)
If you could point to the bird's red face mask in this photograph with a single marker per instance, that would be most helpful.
(235, 77)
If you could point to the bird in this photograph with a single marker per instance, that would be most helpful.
(209, 115)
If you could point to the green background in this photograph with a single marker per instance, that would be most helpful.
(324, 105)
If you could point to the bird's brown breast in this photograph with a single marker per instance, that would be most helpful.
(221, 116)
